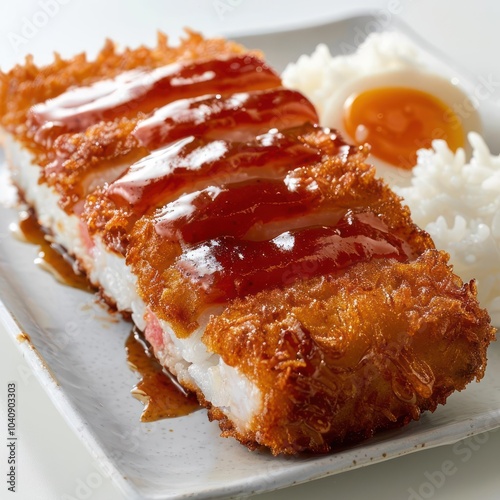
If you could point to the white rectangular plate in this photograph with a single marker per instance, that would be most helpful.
(76, 348)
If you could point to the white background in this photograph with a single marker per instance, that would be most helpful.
(53, 462)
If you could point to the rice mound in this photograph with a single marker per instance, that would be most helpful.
(458, 204)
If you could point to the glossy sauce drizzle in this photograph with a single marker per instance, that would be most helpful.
(159, 176)
(161, 394)
(144, 90)
(232, 210)
(51, 257)
(227, 267)
(239, 117)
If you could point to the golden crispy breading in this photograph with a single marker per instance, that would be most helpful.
(173, 297)
(82, 160)
(68, 158)
(101, 215)
(347, 187)
(28, 84)
(337, 358)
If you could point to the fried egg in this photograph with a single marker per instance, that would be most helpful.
(386, 94)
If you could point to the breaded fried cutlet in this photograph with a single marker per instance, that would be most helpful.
(271, 272)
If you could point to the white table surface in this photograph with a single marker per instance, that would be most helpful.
(53, 463)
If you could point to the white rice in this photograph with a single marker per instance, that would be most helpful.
(458, 204)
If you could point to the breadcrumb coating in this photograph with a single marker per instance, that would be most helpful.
(342, 357)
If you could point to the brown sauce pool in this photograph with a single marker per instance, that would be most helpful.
(158, 390)
(51, 257)
(161, 394)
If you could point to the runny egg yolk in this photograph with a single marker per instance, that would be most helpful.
(398, 121)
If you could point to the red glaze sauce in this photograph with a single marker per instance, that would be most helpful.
(191, 161)
(144, 90)
(227, 267)
(239, 116)
(232, 210)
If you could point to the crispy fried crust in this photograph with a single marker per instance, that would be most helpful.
(344, 183)
(340, 357)
(75, 157)
(28, 84)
